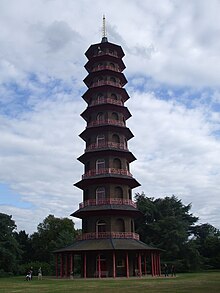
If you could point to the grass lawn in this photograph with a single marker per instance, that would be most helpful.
(183, 283)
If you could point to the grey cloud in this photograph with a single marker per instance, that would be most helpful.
(59, 34)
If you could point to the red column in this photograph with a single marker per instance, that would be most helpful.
(99, 266)
(113, 260)
(145, 265)
(127, 265)
(152, 264)
(66, 272)
(61, 265)
(139, 264)
(56, 265)
(84, 265)
(71, 263)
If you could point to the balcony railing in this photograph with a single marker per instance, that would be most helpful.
(107, 201)
(104, 235)
(101, 145)
(106, 121)
(105, 82)
(103, 67)
(101, 53)
(106, 101)
(106, 171)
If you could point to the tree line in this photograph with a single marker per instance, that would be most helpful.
(166, 223)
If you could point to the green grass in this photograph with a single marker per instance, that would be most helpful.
(183, 283)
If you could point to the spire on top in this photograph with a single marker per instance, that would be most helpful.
(104, 33)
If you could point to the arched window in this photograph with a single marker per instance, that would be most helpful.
(112, 65)
(116, 138)
(112, 79)
(113, 96)
(127, 165)
(100, 193)
(100, 165)
(100, 97)
(120, 225)
(118, 192)
(117, 163)
(100, 226)
(100, 116)
(115, 116)
(100, 140)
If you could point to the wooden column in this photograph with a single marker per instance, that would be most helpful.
(71, 264)
(139, 264)
(99, 266)
(152, 264)
(145, 265)
(56, 265)
(66, 271)
(127, 265)
(84, 262)
(113, 260)
(61, 265)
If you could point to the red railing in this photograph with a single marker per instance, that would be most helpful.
(104, 235)
(106, 101)
(107, 201)
(106, 171)
(105, 82)
(106, 121)
(103, 67)
(101, 145)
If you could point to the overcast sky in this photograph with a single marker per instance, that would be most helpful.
(173, 68)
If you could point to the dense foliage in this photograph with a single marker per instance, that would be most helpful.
(166, 223)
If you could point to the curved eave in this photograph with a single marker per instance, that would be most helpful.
(102, 58)
(106, 107)
(110, 244)
(90, 130)
(90, 52)
(109, 152)
(105, 72)
(112, 179)
(110, 210)
(91, 91)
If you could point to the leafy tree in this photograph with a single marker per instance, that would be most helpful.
(9, 247)
(52, 234)
(207, 239)
(166, 223)
(25, 245)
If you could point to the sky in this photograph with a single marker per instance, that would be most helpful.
(172, 66)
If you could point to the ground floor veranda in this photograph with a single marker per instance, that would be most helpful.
(112, 263)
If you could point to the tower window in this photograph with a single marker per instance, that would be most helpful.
(100, 193)
(115, 116)
(101, 226)
(100, 116)
(100, 165)
(100, 140)
(115, 138)
(120, 225)
(117, 164)
(118, 192)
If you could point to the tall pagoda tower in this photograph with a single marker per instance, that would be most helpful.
(108, 246)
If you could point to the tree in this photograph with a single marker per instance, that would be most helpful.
(52, 234)
(166, 223)
(9, 247)
(25, 245)
(207, 239)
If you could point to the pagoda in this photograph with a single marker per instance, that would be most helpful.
(108, 245)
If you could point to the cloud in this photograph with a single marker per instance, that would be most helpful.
(172, 60)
